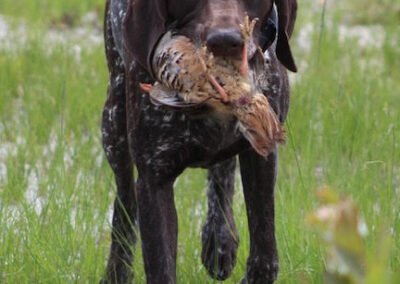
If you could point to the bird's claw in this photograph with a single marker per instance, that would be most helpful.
(207, 61)
(246, 30)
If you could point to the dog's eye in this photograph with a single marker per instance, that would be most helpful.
(178, 9)
(257, 2)
(257, 7)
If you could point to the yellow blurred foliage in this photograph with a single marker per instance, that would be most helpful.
(343, 231)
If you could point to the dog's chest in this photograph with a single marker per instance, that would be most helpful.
(192, 139)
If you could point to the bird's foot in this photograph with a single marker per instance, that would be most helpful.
(246, 30)
(207, 61)
(145, 87)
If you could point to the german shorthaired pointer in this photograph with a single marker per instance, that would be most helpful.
(161, 142)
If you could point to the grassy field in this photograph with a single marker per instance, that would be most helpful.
(56, 189)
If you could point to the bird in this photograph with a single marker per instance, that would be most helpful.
(190, 76)
(183, 70)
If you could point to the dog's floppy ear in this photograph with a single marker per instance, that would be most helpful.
(145, 23)
(286, 18)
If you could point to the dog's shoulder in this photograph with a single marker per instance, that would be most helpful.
(116, 13)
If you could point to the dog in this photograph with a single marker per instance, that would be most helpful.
(161, 142)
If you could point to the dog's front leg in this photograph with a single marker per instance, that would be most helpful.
(220, 238)
(115, 144)
(258, 178)
(158, 228)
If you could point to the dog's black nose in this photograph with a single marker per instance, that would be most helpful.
(225, 42)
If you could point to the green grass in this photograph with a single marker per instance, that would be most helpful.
(343, 131)
(49, 11)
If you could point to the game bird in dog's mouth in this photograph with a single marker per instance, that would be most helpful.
(189, 76)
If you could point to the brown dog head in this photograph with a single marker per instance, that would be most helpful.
(215, 22)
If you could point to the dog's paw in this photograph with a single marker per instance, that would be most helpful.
(218, 254)
(117, 272)
(260, 270)
(244, 281)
